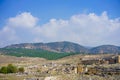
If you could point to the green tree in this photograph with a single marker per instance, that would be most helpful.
(3, 70)
(21, 69)
(11, 68)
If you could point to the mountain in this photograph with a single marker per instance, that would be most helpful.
(105, 49)
(55, 50)
(66, 47)
(53, 47)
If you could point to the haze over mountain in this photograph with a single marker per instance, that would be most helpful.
(68, 47)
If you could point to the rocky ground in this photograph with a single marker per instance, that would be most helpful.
(42, 69)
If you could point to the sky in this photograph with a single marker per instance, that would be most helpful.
(86, 22)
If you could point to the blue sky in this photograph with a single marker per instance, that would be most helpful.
(43, 12)
(46, 9)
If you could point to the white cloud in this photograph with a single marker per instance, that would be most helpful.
(86, 29)
(23, 20)
(7, 36)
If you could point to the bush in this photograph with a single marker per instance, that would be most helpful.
(3, 70)
(11, 69)
(21, 69)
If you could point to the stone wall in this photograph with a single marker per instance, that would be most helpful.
(118, 59)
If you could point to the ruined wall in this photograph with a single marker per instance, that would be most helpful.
(118, 59)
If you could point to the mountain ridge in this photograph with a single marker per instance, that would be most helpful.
(106, 49)
(63, 46)
(66, 46)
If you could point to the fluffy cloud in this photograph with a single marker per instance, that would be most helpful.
(22, 20)
(86, 29)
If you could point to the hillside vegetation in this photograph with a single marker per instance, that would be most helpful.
(19, 52)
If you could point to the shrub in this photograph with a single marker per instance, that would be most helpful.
(11, 68)
(3, 70)
(21, 69)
